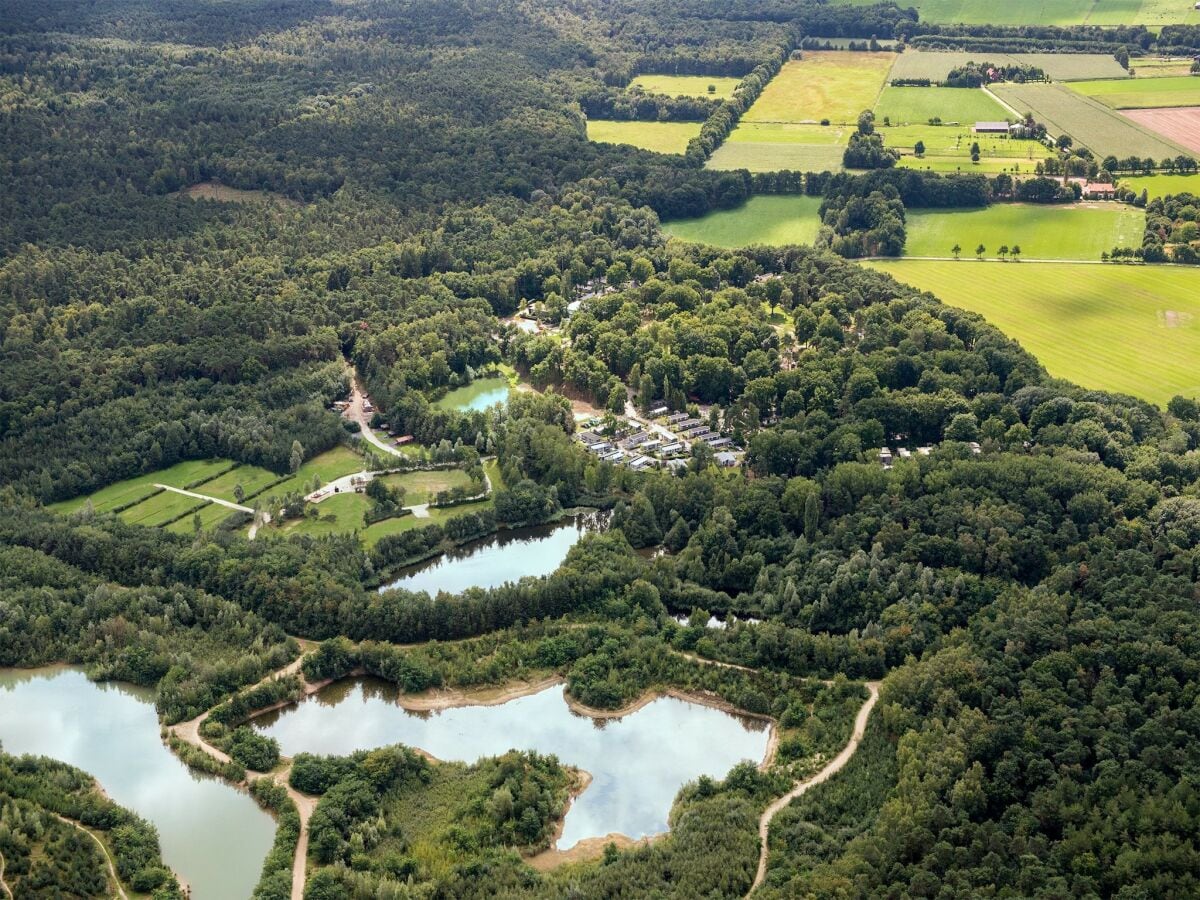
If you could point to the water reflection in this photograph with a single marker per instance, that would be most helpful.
(505, 556)
(638, 762)
(478, 395)
(213, 836)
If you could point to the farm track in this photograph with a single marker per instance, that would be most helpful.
(832, 768)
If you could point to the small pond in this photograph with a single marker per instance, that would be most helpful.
(478, 395)
(637, 762)
(505, 556)
(213, 836)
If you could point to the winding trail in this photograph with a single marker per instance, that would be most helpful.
(3, 883)
(112, 870)
(834, 766)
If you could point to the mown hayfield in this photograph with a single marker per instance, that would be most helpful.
(1162, 185)
(687, 85)
(777, 156)
(1130, 329)
(936, 64)
(211, 516)
(1088, 121)
(948, 148)
(836, 85)
(160, 509)
(339, 514)
(1138, 93)
(371, 535)
(916, 105)
(1080, 232)
(422, 487)
(1161, 67)
(252, 479)
(771, 220)
(1051, 12)
(122, 493)
(661, 137)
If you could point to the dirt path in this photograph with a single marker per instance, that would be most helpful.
(356, 413)
(3, 883)
(834, 766)
(217, 500)
(112, 870)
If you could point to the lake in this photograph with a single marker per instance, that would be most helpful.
(637, 762)
(505, 556)
(478, 395)
(213, 836)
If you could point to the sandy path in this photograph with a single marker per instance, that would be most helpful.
(112, 870)
(3, 883)
(834, 766)
(217, 500)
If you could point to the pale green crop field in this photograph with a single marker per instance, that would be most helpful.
(1088, 121)
(834, 84)
(765, 219)
(1162, 185)
(1138, 93)
(1080, 232)
(124, 492)
(687, 85)
(936, 64)
(661, 137)
(1130, 329)
(916, 106)
(777, 156)
(160, 509)
(948, 149)
(1051, 12)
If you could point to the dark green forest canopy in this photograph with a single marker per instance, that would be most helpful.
(1031, 608)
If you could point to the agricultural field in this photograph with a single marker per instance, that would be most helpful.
(123, 493)
(936, 64)
(799, 148)
(661, 137)
(917, 105)
(1161, 67)
(160, 509)
(765, 219)
(1080, 232)
(1130, 329)
(252, 479)
(687, 85)
(948, 149)
(1179, 125)
(1162, 185)
(1054, 12)
(835, 85)
(1101, 129)
(210, 515)
(1143, 93)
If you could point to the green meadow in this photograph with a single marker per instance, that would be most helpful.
(1130, 329)
(766, 219)
(1143, 93)
(1080, 232)
(661, 137)
(1162, 185)
(687, 85)
(917, 105)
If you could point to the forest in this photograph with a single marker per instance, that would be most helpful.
(1025, 590)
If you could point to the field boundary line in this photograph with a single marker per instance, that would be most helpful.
(1012, 109)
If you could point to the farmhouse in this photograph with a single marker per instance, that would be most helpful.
(1095, 190)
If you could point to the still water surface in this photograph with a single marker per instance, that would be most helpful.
(637, 762)
(505, 556)
(213, 836)
(478, 395)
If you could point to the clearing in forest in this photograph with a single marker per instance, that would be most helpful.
(687, 85)
(1143, 93)
(1130, 329)
(1102, 130)
(1079, 232)
(765, 219)
(661, 137)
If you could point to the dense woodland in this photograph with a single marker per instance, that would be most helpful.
(1030, 608)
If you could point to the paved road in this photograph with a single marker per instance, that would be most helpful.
(834, 766)
(356, 413)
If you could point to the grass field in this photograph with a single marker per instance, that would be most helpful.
(210, 517)
(687, 85)
(160, 508)
(936, 64)
(772, 220)
(421, 487)
(1159, 67)
(251, 478)
(1103, 130)
(328, 466)
(1079, 232)
(1143, 93)
(916, 106)
(835, 85)
(1162, 185)
(131, 489)
(370, 536)
(661, 137)
(777, 156)
(1051, 12)
(1130, 329)
(948, 148)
